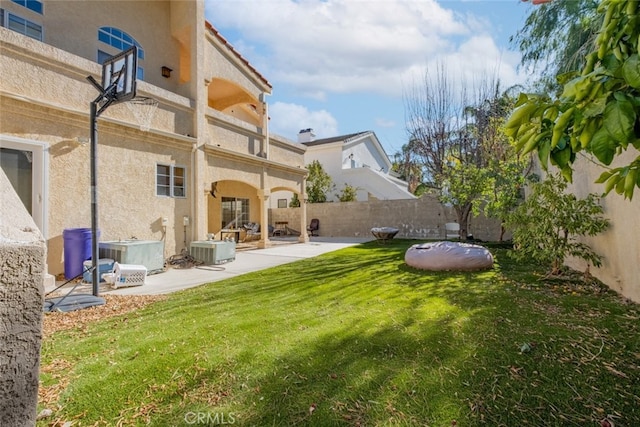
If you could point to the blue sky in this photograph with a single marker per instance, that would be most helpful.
(342, 66)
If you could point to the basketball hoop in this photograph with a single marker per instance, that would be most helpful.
(143, 109)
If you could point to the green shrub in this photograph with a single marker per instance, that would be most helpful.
(547, 227)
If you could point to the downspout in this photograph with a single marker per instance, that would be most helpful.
(194, 186)
(265, 123)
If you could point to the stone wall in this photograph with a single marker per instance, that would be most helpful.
(22, 269)
(422, 218)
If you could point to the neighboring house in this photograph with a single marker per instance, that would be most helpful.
(358, 160)
(209, 132)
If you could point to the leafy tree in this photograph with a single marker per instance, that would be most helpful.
(295, 201)
(319, 183)
(546, 226)
(408, 167)
(462, 185)
(504, 189)
(599, 108)
(454, 136)
(348, 194)
(556, 37)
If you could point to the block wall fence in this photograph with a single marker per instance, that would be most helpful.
(422, 218)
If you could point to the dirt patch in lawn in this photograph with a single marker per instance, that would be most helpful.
(115, 305)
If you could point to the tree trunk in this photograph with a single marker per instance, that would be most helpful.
(462, 212)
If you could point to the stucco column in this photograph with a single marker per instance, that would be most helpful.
(263, 196)
(199, 91)
(22, 260)
(304, 236)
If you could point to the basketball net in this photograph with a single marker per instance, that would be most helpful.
(143, 109)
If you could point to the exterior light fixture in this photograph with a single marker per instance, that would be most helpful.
(166, 72)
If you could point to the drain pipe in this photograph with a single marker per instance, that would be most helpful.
(194, 185)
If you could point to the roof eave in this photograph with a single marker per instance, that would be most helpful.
(216, 34)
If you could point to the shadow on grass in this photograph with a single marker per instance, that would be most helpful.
(357, 373)
(356, 337)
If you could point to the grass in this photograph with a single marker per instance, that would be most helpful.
(356, 337)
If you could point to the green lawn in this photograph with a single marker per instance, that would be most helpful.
(356, 337)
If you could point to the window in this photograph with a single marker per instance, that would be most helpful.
(121, 41)
(34, 5)
(171, 181)
(23, 26)
(235, 212)
(282, 203)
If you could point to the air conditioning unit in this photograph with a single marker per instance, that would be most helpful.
(149, 253)
(211, 252)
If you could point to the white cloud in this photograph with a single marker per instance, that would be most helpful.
(346, 46)
(288, 119)
(385, 123)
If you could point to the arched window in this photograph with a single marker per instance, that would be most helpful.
(119, 40)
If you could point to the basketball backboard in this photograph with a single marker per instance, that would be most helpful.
(120, 71)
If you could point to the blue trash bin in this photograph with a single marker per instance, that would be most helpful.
(77, 249)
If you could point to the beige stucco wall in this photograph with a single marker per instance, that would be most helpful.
(422, 218)
(619, 245)
(233, 134)
(285, 151)
(220, 62)
(44, 97)
(127, 160)
(161, 48)
(22, 255)
(53, 108)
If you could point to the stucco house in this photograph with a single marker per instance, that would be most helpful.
(356, 159)
(206, 161)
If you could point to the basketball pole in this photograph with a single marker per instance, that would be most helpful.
(108, 98)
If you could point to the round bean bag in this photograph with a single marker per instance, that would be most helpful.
(448, 256)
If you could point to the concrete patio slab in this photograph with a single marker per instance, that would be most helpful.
(174, 279)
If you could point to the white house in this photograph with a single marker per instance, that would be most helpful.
(356, 159)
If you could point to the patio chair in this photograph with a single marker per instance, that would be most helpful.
(252, 230)
(313, 227)
(452, 230)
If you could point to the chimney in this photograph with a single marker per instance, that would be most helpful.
(306, 135)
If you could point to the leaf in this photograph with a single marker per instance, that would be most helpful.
(611, 63)
(595, 107)
(619, 118)
(576, 88)
(603, 146)
(543, 153)
(631, 71)
(561, 157)
(603, 177)
(567, 173)
(522, 98)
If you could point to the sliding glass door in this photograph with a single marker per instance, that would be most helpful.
(235, 212)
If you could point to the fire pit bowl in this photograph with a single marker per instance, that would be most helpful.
(382, 234)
